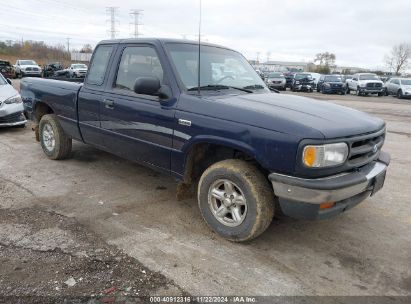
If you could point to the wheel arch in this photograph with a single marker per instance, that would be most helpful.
(205, 151)
(40, 109)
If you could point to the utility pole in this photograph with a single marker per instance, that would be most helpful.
(112, 14)
(268, 56)
(135, 14)
(258, 57)
(68, 44)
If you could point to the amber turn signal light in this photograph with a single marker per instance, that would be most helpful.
(327, 205)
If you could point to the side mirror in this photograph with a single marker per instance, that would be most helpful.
(147, 85)
(8, 80)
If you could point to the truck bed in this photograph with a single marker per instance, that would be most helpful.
(61, 96)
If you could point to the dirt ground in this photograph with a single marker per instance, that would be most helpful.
(45, 254)
(73, 218)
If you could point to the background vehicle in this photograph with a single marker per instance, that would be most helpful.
(289, 76)
(365, 83)
(77, 70)
(11, 106)
(316, 78)
(331, 84)
(6, 69)
(241, 144)
(400, 87)
(276, 80)
(302, 82)
(27, 68)
(50, 69)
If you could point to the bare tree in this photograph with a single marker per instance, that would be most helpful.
(399, 57)
(325, 59)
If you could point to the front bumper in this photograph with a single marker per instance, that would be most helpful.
(303, 87)
(371, 90)
(302, 198)
(12, 115)
(332, 90)
(31, 73)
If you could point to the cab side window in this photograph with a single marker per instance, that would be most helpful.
(138, 61)
(99, 65)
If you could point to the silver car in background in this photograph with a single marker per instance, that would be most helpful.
(11, 105)
(400, 87)
(77, 70)
(27, 68)
(276, 80)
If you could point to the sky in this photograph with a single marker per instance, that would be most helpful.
(359, 32)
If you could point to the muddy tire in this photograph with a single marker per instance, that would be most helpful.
(54, 142)
(236, 200)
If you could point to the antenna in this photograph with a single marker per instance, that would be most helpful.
(199, 53)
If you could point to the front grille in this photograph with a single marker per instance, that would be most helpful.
(15, 117)
(365, 149)
(35, 69)
(336, 85)
(374, 85)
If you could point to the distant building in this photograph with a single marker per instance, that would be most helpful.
(81, 57)
(349, 70)
(283, 66)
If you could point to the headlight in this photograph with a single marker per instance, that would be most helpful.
(297, 82)
(362, 85)
(326, 84)
(325, 155)
(14, 99)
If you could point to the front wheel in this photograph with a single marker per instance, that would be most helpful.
(236, 200)
(399, 94)
(54, 142)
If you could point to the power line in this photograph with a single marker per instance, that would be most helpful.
(135, 14)
(112, 13)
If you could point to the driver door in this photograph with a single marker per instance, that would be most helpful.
(136, 126)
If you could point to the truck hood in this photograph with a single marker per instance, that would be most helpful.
(29, 66)
(295, 115)
(371, 81)
(7, 91)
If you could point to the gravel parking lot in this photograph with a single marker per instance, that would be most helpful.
(366, 251)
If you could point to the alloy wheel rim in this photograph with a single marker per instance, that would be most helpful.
(227, 202)
(48, 137)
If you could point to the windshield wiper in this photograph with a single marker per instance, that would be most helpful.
(254, 87)
(217, 87)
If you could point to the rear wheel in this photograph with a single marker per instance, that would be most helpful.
(236, 200)
(54, 142)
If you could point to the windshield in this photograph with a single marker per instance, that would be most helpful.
(276, 75)
(303, 76)
(27, 62)
(219, 67)
(4, 63)
(333, 78)
(369, 77)
(3, 80)
(406, 81)
(79, 66)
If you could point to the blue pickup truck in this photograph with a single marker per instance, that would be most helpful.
(247, 152)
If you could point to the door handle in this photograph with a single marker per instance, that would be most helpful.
(109, 104)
